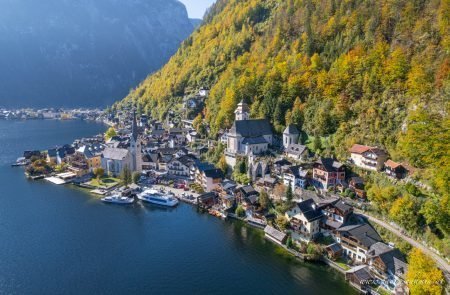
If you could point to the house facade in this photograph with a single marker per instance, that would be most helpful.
(304, 218)
(297, 152)
(356, 241)
(327, 173)
(296, 177)
(367, 157)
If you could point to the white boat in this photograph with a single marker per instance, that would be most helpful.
(155, 197)
(117, 199)
(21, 162)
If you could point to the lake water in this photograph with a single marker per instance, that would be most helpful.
(61, 240)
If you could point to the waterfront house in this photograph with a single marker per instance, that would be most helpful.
(181, 167)
(395, 170)
(210, 179)
(327, 173)
(367, 157)
(334, 251)
(275, 235)
(296, 177)
(207, 200)
(247, 196)
(92, 154)
(356, 241)
(388, 264)
(304, 218)
(360, 277)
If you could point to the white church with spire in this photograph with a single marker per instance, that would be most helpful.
(114, 159)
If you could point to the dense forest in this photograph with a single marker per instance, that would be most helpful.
(375, 72)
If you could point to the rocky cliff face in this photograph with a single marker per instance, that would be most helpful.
(83, 52)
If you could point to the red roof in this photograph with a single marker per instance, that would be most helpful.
(359, 149)
(392, 164)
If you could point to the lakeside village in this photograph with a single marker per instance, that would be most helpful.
(300, 201)
(51, 114)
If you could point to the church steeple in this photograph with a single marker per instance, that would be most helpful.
(134, 127)
(242, 111)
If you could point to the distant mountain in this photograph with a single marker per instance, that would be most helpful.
(84, 52)
(196, 22)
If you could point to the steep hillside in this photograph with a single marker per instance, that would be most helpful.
(373, 72)
(82, 52)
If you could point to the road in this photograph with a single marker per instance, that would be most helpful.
(443, 264)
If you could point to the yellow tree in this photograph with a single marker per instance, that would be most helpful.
(423, 277)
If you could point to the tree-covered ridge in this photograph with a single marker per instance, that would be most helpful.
(353, 70)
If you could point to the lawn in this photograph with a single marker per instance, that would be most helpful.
(342, 264)
(105, 182)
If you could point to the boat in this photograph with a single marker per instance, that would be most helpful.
(21, 162)
(156, 197)
(117, 199)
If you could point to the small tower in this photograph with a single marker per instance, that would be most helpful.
(290, 135)
(242, 111)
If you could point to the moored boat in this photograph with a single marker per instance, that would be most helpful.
(155, 197)
(117, 199)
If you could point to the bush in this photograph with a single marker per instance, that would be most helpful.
(240, 212)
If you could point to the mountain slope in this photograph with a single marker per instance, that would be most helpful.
(353, 71)
(84, 53)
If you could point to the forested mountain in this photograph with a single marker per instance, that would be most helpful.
(374, 72)
(84, 52)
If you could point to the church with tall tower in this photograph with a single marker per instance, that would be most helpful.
(135, 148)
(247, 136)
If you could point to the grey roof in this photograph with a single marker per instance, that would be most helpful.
(296, 149)
(329, 164)
(274, 233)
(363, 232)
(187, 160)
(297, 171)
(291, 129)
(252, 128)
(342, 206)
(249, 190)
(335, 247)
(310, 210)
(115, 153)
(254, 140)
(150, 158)
(361, 272)
(378, 248)
(213, 173)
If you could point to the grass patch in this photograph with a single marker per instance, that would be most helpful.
(341, 262)
(105, 182)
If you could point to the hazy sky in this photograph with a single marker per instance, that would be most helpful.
(197, 8)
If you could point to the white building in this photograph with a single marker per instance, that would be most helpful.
(290, 135)
(367, 157)
(304, 218)
(247, 136)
